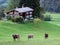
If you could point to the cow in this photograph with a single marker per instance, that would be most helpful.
(46, 35)
(15, 36)
(30, 36)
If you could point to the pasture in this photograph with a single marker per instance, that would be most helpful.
(8, 28)
(55, 18)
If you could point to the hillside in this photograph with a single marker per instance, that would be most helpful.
(8, 28)
(51, 5)
(3, 3)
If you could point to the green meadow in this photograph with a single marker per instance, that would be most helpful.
(8, 28)
(55, 17)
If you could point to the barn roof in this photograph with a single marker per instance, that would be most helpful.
(24, 9)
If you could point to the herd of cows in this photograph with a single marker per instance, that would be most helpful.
(16, 36)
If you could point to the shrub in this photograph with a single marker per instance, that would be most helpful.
(13, 19)
(0, 18)
(41, 16)
(47, 18)
(31, 19)
(37, 20)
(18, 19)
(9, 17)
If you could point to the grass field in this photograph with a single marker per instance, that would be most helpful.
(55, 18)
(38, 30)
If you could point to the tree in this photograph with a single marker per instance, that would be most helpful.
(35, 4)
(2, 12)
(12, 4)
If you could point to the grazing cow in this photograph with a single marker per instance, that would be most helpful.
(30, 36)
(46, 35)
(15, 36)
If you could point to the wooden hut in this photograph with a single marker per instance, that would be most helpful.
(25, 12)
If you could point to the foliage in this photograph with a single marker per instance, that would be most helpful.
(18, 19)
(9, 17)
(47, 18)
(37, 20)
(51, 5)
(0, 18)
(55, 17)
(2, 13)
(42, 11)
(34, 4)
(12, 4)
(41, 16)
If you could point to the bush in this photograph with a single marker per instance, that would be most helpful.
(47, 18)
(0, 18)
(9, 17)
(13, 20)
(37, 20)
(18, 19)
(41, 16)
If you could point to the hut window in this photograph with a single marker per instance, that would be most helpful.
(27, 16)
(30, 13)
(27, 13)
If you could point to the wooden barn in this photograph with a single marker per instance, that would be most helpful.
(25, 12)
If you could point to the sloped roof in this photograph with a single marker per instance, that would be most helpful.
(24, 9)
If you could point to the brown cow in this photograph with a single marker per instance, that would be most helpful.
(46, 35)
(30, 36)
(15, 36)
